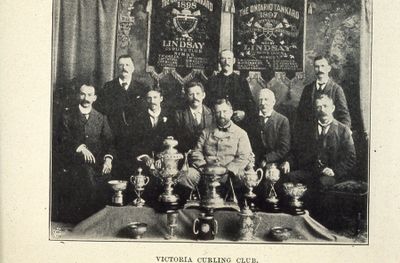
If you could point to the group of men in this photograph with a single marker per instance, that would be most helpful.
(221, 123)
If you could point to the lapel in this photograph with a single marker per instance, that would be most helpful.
(331, 133)
(188, 119)
(207, 118)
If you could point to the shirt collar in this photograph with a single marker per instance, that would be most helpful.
(85, 110)
(325, 124)
(127, 82)
(154, 114)
(199, 110)
(268, 115)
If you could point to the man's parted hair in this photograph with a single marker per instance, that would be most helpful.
(194, 84)
(125, 56)
(154, 88)
(321, 57)
(324, 96)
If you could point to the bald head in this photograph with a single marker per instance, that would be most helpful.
(266, 100)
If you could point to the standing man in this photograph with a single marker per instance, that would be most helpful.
(229, 85)
(192, 120)
(329, 156)
(87, 145)
(271, 136)
(323, 85)
(225, 143)
(120, 100)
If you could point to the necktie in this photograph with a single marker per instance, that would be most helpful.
(197, 117)
(124, 85)
(86, 115)
(320, 86)
(223, 129)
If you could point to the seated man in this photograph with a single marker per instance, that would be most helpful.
(225, 143)
(192, 120)
(87, 146)
(330, 156)
(271, 135)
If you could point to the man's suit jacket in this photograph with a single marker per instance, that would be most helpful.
(271, 139)
(150, 139)
(94, 132)
(306, 109)
(233, 87)
(121, 106)
(334, 150)
(186, 129)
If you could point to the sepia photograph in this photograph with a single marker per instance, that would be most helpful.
(211, 121)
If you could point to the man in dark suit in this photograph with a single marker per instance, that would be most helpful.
(192, 120)
(120, 100)
(306, 112)
(271, 134)
(87, 147)
(229, 85)
(329, 156)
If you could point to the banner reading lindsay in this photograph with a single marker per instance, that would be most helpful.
(184, 33)
(269, 35)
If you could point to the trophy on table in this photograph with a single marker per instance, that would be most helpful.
(118, 186)
(295, 191)
(172, 222)
(139, 181)
(166, 168)
(272, 174)
(251, 178)
(249, 223)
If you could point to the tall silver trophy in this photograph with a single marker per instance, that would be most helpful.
(272, 174)
(139, 181)
(252, 178)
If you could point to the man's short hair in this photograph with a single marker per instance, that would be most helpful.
(80, 85)
(324, 96)
(194, 84)
(321, 57)
(226, 50)
(125, 56)
(223, 101)
(155, 88)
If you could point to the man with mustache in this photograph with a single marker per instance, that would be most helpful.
(227, 84)
(330, 156)
(192, 120)
(225, 144)
(87, 146)
(120, 100)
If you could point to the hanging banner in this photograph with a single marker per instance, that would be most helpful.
(269, 35)
(184, 33)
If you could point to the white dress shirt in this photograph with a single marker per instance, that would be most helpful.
(154, 116)
(128, 82)
(197, 114)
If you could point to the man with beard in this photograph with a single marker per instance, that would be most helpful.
(229, 85)
(87, 146)
(225, 144)
(330, 156)
(120, 100)
(192, 120)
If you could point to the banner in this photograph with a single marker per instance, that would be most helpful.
(184, 33)
(269, 35)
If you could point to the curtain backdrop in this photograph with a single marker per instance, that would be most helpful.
(83, 41)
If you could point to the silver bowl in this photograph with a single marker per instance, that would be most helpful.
(118, 185)
(281, 233)
(137, 229)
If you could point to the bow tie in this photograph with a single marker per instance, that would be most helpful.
(223, 129)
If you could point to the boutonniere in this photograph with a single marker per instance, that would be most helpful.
(164, 119)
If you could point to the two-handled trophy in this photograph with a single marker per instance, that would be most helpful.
(272, 174)
(251, 178)
(139, 181)
(295, 191)
(166, 168)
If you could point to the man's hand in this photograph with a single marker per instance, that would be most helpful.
(285, 167)
(238, 115)
(328, 172)
(87, 154)
(107, 166)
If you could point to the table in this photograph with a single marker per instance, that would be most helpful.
(110, 222)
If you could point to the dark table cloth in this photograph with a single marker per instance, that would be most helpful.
(110, 224)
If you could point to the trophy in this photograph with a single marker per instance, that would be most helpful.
(251, 179)
(118, 186)
(166, 168)
(272, 175)
(139, 181)
(212, 176)
(249, 223)
(295, 191)
(205, 227)
(172, 222)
